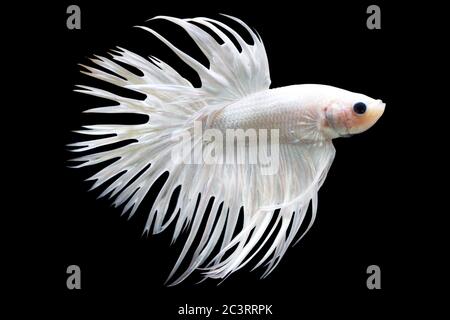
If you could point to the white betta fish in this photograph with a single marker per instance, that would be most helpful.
(232, 208)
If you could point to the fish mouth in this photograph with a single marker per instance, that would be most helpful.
(376, 110)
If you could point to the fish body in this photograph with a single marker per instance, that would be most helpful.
(293, 126)
(307, 112)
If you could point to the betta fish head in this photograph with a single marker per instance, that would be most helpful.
(349, 113)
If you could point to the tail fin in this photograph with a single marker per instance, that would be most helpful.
(172, 104)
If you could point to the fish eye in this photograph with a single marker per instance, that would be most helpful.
(359, 108)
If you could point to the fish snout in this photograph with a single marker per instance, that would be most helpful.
(361, 123)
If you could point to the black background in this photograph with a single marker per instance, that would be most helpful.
(365, 207)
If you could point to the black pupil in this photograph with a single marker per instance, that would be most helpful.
(359, 107)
